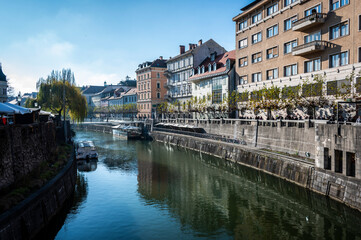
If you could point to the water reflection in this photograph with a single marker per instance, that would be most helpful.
(70, 208)
(80, 193)
(87, 165)
(213, 197)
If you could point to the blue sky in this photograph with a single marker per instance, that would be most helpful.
(104, 40)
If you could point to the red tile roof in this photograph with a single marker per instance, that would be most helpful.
(220, 60)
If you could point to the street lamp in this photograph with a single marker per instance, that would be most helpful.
(18, 99)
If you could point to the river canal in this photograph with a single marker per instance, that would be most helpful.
(148, 190)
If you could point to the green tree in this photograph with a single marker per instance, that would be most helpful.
(50, 95)
(30, 102)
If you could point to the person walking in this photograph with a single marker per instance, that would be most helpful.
(358, 120)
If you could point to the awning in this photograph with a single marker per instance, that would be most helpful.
(13, 109)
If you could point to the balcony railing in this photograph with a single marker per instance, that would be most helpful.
(310, 47)
(309, 21)
(168, 85)
(167, 73)
(167, 96)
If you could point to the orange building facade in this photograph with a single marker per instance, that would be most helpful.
(150, 87)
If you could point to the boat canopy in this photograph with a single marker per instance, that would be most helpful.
(86, 144)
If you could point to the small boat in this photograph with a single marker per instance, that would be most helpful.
(86, 150)
(127, 132)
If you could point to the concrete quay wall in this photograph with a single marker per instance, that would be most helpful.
(27, 219)
(331, 146)
(335, 185)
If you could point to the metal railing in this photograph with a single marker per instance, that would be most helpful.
(200, 135)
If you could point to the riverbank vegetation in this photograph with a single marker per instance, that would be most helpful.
(303, 100)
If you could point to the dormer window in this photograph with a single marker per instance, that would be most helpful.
(214, 66)
(199, 70)
(209, 67)
(228, 64)
(213, 56)
(202, 69)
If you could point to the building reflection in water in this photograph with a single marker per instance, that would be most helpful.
(211, 195)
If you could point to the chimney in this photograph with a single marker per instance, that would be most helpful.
(200, 42)
(161, 57)
(182, 49)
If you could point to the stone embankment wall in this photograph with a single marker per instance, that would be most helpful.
(28, 218)
(22, 149)
(105, 128)
(335, 185)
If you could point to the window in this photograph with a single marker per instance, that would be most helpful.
(214, 66)
(272, 31)
(339, 59)
(339, 30)
(313, 37)
(290, 70)
(148, 86)
(272, 52)
(257, 57)
(242, 25)
(313, 65)
(359, 54)
(158, 84)
(256, 37)
(256, 77)
(288, 23)
(272, 74)
(257, 17)
(272, 9)
(158, 95)
(315, 9)
(288, 2)
(158, 75)
(338, 3)
(243, 80)
(209, 67)
(289, 46)
(242, 43)
(217, 96)
(202, 69)
(359, 22)
(242, 62)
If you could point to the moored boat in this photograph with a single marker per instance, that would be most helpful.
(86, 150)
(127, 132)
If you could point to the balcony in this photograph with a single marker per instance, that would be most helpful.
(167, 73)
(167, 97)
(168, 85)
(309, 21)
(311, 47)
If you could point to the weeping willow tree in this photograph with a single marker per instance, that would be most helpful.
(50, 95)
